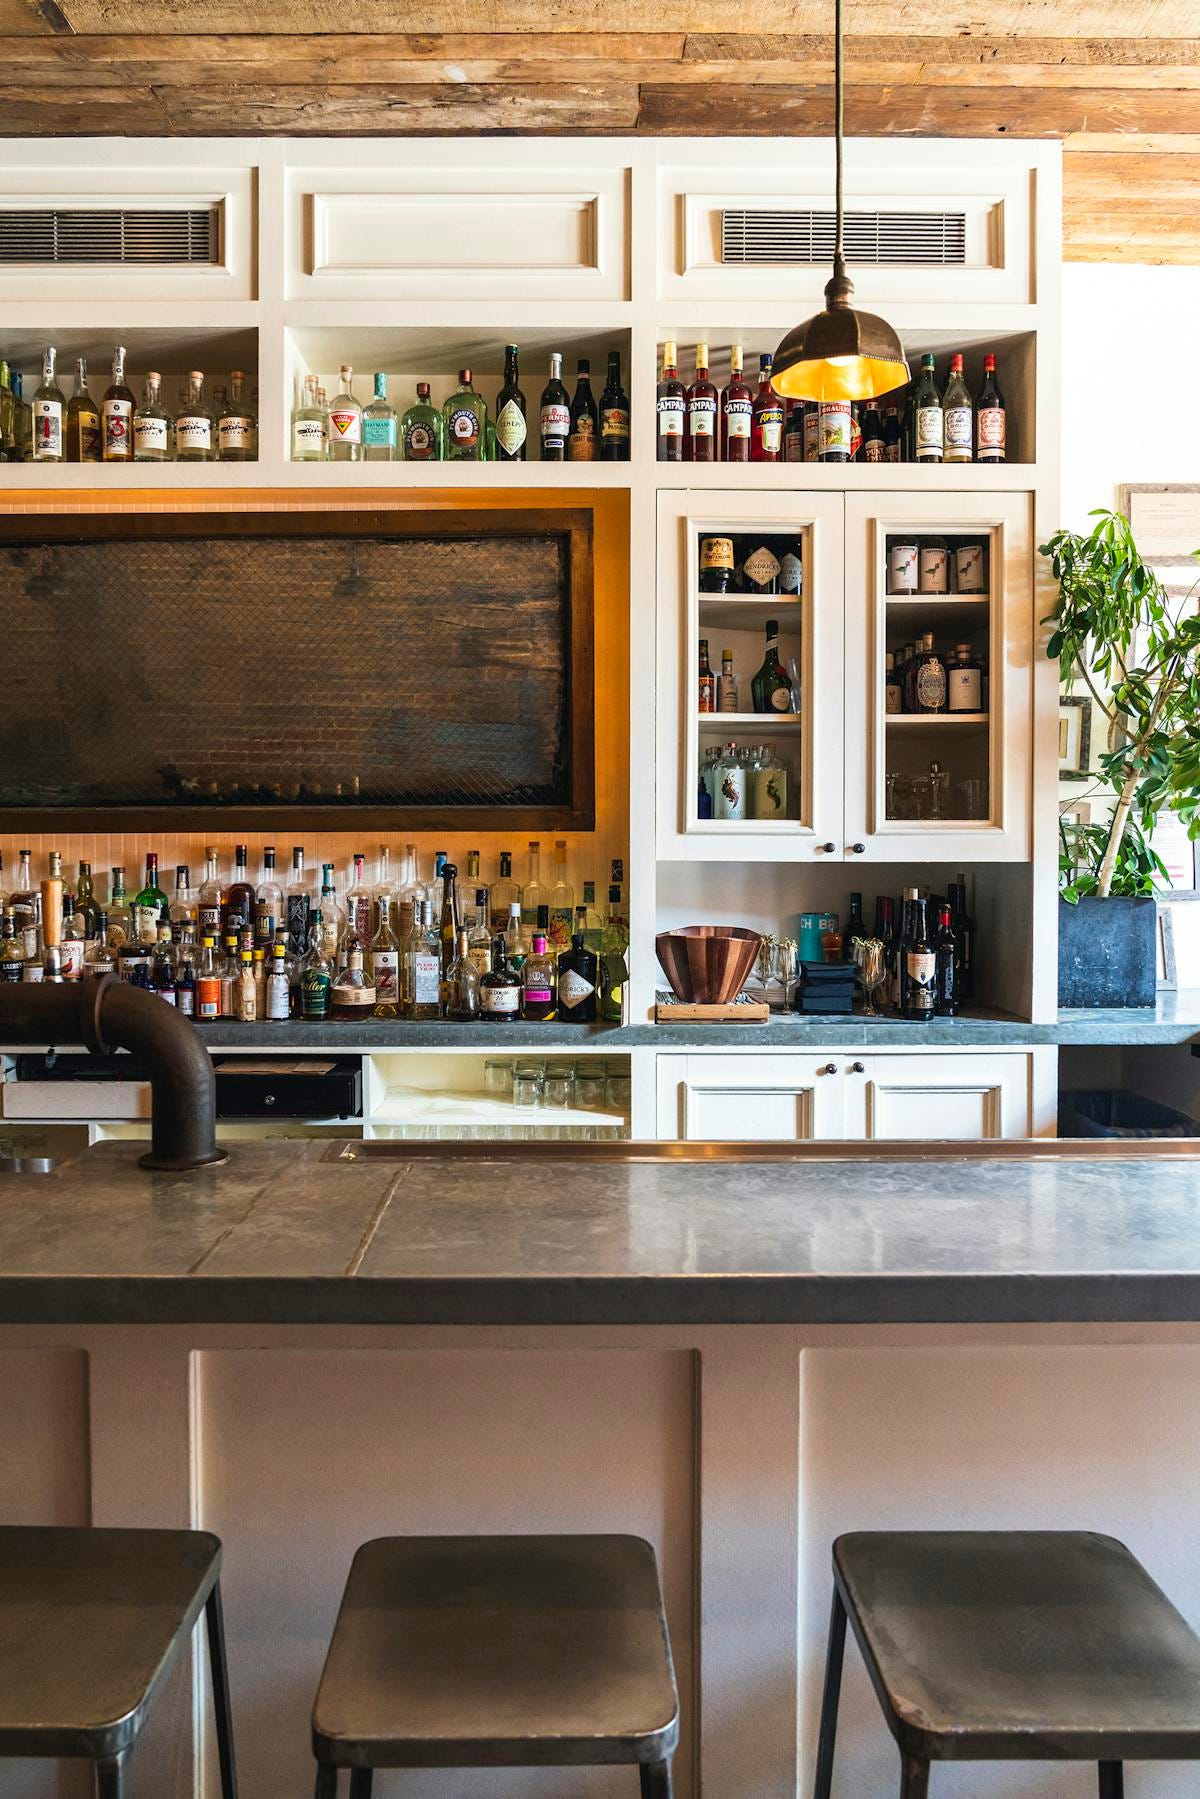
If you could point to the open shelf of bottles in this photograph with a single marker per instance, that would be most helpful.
(937, 639)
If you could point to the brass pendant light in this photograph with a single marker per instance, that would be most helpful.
(841, 353)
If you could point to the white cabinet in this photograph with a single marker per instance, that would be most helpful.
(782, 1096)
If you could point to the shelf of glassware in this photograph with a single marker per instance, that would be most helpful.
(940, 786)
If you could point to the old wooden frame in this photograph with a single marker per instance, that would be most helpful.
(575, 524)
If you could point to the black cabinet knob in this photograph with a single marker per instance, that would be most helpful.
(857, 1068)
(829, 1068)
(858, 849)
(828, 848)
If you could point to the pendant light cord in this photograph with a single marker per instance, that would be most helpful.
(838, 125)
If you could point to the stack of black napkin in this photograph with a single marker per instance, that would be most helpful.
(826, 987)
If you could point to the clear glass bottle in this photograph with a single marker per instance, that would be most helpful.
(421, 429)
(424, 971)
(479, 941)
(562, 901)
(333, 915)
(379, 425)
(614, 958)
(462, 984)
(450, 922)
(49, 414)
(958, 416)
(210, 903)
(278, 998)
(538, 999)
(195, 427)
(727, 687)
(515, 939)
(358, 901)
(385, 887)
(345, 420)
(208, 982)
(503, 892)
(268, 901)
(183, 909)
(464, 422)
(297, 904)
(116, 413)
(152, 428)
(385, 962)
(768, 786)
(532, 894)
(352, 997)
(929, 421)
(729, 797)
(588, 919)
(236, 429)
(308, 425)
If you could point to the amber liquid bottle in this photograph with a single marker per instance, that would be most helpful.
(672, 402)
(700, 440)
(737, 412)
(766, 435)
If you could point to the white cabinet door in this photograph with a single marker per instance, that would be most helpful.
(808, 741)
(954, 1097)
(983, 759)
(793, 1098)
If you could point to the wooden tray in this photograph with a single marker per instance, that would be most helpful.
(758, 1012)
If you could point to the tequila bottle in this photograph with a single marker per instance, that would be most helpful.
(116, 414)
(345, 421)
(385, 963)
(49, 413)
(424, 971)
(152, 431)
(464, 417)
(236, 429)
(195, 427)
(308, 426)
(379, 426)
(421, 429)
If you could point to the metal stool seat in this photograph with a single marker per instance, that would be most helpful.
(90, 1623)
(1012, 1646)
(472, 1652)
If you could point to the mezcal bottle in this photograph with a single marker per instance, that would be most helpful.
(49, 413)
(195, 427)
(308, 426)
(152, 425)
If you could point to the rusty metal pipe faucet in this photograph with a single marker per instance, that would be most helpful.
(108, 1014)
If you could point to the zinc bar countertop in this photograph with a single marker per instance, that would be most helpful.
(314, 1233)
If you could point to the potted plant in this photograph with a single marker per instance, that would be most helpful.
(1136, 649)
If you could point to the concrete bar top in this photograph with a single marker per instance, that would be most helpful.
(284, 1234)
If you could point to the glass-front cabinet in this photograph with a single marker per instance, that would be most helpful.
(844, 676)
(749, 702)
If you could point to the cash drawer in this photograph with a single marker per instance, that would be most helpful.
(282, 1088)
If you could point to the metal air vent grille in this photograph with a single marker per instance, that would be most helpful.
(159, 236)
(772, 236)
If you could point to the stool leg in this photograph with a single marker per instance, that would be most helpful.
(215, 1619)
(1112, 1780)
(110, 1778)
(914, 1778)
(360, 1783)
(326, 1781)
(656, 1780)
(834, 1656)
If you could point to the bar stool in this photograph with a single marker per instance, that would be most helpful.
(484, 1652)
(1012, 1646)
(90, 1623)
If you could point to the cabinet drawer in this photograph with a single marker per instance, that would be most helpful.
(276, 1089)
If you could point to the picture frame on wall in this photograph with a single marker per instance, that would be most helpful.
(1074, 736)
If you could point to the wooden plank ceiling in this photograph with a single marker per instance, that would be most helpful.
(1117, 80)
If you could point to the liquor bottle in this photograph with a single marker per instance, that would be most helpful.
(707, 694)
(296, 904)
(958, 419)
(727, 687)
(316, 974)
(83, 420)
(716, 564)
(578, 979)
(308, 426)
(918, 962)
(515, 939)
(766, 432)
(812, 431)
(855, 926)
(771, 688)
(927, 679)
(583, 438)
(7, 430)
(152, 897)
(424, 971)
(511, 426)
(479, 942)
(893, 693)
(384, 888)
(990, 434)
(450, 924)
(195, 426)
(352, 996)
(964, 681)
(964, 924)
(872, 433)
(793, 431)
(211, 900)
(333, 915)
(554, 419)
(70, 940)
(614, 414)
(499, 990)
(587, 919)
(885, 931)
(268, 902)
(235, 423)
(929, 418)
(345, 420)
(116, 413)
(462, 984)
(473, 868)
(379, 425)
(358, 901)
(700, 429)
(946, 948)
(239, 897)
(22, 445)
(835, 426)
(761, 572)
(892, 435)
(49, 414)
(737, 412)
(12, 949)
(503, 893)
(153, 428)
(464, 421)
(208, 983)
(672, 404)
(532, 894)
(421, 429)
(562, 900)
(614, 958)
(120, 918)
(182, 912)
(86, 907)
(908, 425)
(791, 569)
(537, 978)
(279, 987)
(385, 964)
(729, 784)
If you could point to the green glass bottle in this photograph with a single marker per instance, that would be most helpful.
(464, 418)
(421, 429)
(152, 895)
(771, 689)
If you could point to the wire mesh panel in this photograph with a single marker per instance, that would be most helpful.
(408, 673)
